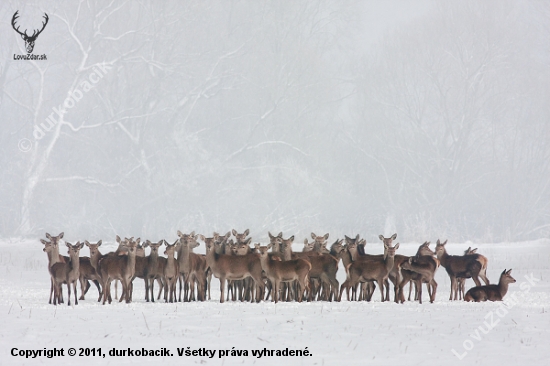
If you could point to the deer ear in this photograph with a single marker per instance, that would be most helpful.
(313, 236)
(234, 232)
(228, 234)
(201, 237)
(396, 246)
(44, 241)
(270, 236)
(61, 235)
(503, 272)
(280, 235)
(118, 239)
(357, 237)
(68, 244)
(326, 236)
(445, 242)
(509, 271)
(180, 234)
(394, 236)
(138, 240)
(305, 241)
(48, 236)
(291, 238)
(381, 237)
(257, 245)
(246, 232)
(269, 246)
(248, 241)
(99, 243)
(192, 233)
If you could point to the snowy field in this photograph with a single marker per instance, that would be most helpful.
(345, 333)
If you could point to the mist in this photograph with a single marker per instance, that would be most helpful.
(429, 119)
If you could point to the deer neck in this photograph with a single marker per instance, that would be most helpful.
(354, 254)
(502, 288)
(153, 259)
(443, 257)
(131, 263)
(183, 257)
(390, 260)
(95, 259)
(265, 262)
(75, 264)
(53, 258)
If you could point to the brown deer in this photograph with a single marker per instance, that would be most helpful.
(119, 267)
(284, 271)
(226, 267)
(192, 268)
(171, 271)
(419, 269)
(241, 238)
(319, 241)
(491, 292)
(219, 239)
(461, 266)
(461, 282)
(154, 270)
(67, 273)
(51, 248)
(374, 269)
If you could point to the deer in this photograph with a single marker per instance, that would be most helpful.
(241, 238)
(140, 270)
(171, 272)
(462, 281)
(491, 292)
(318, 241)
(29, 40)
(219, 239)
(154, 270)
(461, 266)
(192, 267)
(419, 269)
(375, 269)
(67, 273)
(284, 271)
(324, 267)
(226, 267)
(51, 248)
(119, 267)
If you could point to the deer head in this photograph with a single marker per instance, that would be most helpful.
(29, 40)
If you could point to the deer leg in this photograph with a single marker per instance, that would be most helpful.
(222, 289)
(84, 285)
(434, 290)
(52, 285)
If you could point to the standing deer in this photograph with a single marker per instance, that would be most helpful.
(226, 267)
(192, 268)
(154, 270)
(375, 269)
(461, 266)
(119, 267)
(171, 272)
(67, 273)
(284, 271)
(51, 248)
(491, 292)
(420, 269)
(461, 282)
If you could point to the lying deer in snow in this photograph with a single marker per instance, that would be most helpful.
(491, 292)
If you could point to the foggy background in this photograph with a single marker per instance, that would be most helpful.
(428, 118)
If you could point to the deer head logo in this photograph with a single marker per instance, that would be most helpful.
(29, 40)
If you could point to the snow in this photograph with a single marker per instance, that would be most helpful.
(351, 333)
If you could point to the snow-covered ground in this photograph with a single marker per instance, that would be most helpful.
(334, 333)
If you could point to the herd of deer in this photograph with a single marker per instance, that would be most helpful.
(262, 272)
